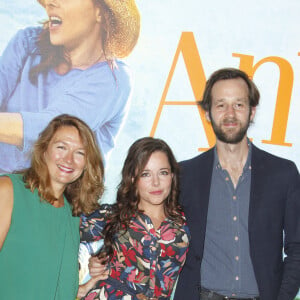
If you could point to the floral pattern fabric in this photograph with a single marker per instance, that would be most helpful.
(145, 260)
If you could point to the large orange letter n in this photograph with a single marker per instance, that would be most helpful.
(188, 48)
(284, 93)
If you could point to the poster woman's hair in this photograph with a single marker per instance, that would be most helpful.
(120, 30)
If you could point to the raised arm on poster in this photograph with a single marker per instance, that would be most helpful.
(11, 129)
(67, 66)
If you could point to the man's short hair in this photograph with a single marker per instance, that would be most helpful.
(224, 74)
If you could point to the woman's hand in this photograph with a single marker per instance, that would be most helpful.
(98, 267)
(98, 271)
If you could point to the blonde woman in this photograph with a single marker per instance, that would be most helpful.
(39, 213)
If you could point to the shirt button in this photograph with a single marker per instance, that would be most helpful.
(226, 178)
(236, 238)
(234, 197)
(237, 258)
(237, 278)
(234, 218)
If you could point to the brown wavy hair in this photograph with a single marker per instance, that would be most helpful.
(225, 74)
(52, 56)
(128, 198)
(84, 193)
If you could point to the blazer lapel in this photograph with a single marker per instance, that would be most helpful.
(198, 194)
(257, 184)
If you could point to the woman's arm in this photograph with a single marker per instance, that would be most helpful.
(11, 129)
(12, 63)
(6, 206)
(98, 271)
(91, 226)
(84, 288)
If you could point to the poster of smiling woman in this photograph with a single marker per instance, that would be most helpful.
(67, 67)
(132, 69)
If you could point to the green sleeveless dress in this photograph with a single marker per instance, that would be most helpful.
(39, 258)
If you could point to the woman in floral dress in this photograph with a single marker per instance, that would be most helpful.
(145, 234)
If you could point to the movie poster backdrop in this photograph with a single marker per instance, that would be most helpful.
(180, 45)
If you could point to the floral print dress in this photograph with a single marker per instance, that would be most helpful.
(145, 260)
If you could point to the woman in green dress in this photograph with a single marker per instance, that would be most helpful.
(39, 213)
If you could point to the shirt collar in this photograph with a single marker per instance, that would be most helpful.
(247, 166)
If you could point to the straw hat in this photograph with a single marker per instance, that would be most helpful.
(125, 26)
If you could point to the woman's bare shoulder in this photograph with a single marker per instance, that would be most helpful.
(6, 189)
(6, 206)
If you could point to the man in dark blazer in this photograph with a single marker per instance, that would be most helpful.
(242, 206)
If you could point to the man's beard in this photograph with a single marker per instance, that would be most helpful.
(230, 137)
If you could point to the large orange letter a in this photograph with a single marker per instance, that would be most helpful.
(187, 46)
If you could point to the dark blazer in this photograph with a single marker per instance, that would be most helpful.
(274, 207)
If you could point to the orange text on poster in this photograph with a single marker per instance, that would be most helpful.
(188, 49)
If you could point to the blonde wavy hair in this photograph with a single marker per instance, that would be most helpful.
(84, 193)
